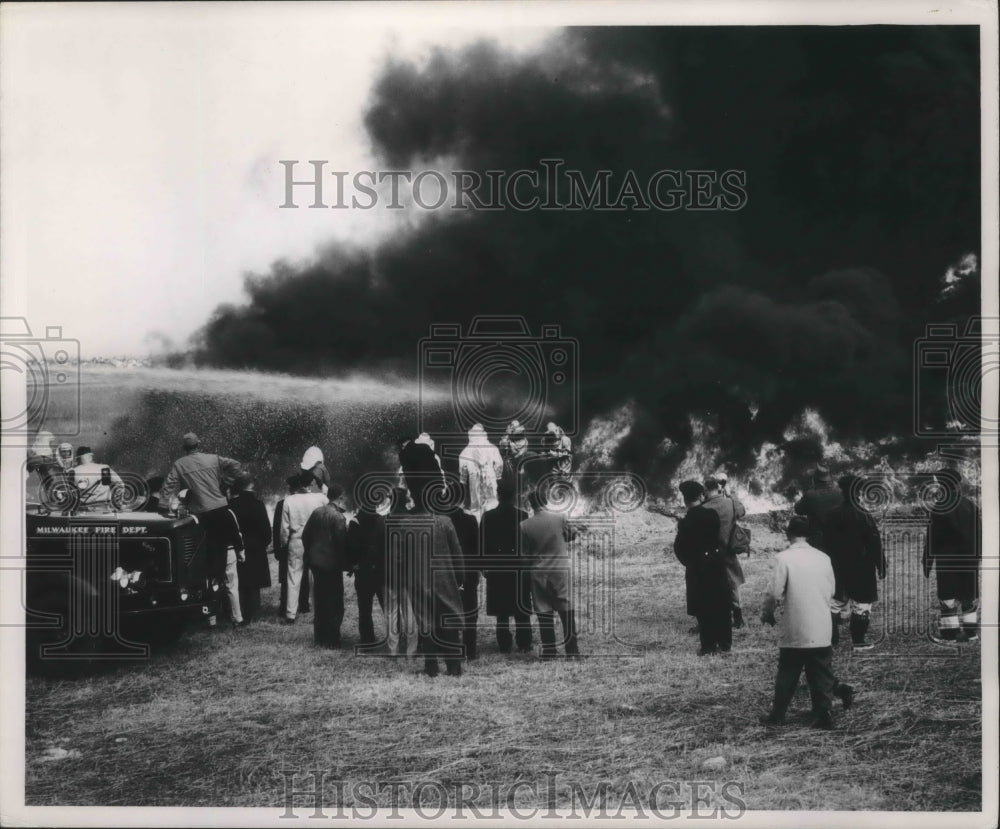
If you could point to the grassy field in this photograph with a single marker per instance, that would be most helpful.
(223, 716)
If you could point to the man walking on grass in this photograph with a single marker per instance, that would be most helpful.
(804, 583)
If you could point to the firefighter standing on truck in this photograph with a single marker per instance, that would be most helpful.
(206, 477)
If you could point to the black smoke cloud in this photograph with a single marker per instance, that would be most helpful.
(861, 150)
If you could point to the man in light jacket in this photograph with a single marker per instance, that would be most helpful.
(803, 582)
(294, 514)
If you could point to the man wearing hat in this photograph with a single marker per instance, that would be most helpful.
(206, 477)
(325, 554)
(254, 572)
(854, 544)
(803, 583)
(87, 475)
(698, 548)
(65, 457)
(729, 509)
(817, 504)
(544, 538)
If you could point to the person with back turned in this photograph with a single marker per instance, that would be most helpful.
(366, 549)
(803, 583)
(434, 563)
(954, 550)
(206, 477)
(543, 541)
(296, 511)
(467, 529)
(854, 544)
(508, 577)
(697, 547)
(729, 509)
(324, 543)
(254, 572)
(280, 551)
(817, 504)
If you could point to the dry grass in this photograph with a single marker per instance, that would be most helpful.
(215, 720)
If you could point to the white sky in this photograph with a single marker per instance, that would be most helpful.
(141, 147)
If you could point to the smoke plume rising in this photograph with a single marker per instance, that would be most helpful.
(861, 152)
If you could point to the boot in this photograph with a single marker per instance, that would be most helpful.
(823, 720)
(737, 618)
(845, 693)
(835, 639)
(547, 633)
(859, 627)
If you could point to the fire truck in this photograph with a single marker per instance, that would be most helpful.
(104, 581)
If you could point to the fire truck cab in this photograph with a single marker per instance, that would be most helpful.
(104, 582)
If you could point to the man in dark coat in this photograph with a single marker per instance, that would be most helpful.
(729, 509)
(281, 556)
(854, 544)
(366, 543)
(544, 539)
(508, 575)
(697, 548)
(817, 504)
(324, 539)
(254, 572)
(954, 549)
(467, 529)
(431, 556)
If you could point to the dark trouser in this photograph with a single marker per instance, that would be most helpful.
(522, 631)
(249, 602)
(818, 663)
(446, 642)
(547, 633)
(470, 604)
(715, 629)
(222, 531)
(368, 586)
(515, 595)
(303, 588)
(328, 613)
